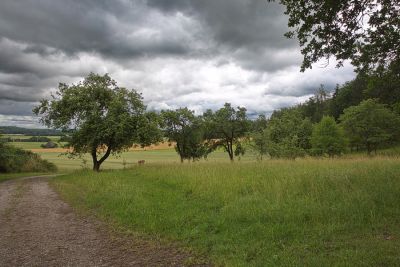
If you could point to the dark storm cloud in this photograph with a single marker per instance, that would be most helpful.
(195, 53)
(128, 29)
(116, 29)
(8, 107)
(250, 31)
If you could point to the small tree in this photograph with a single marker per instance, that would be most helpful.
(288, 134)
(227, 128)
(328, 138)
(370, 124)
(105, 119)
(185, 129)
(258, 140)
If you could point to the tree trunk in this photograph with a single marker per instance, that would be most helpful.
(369, 149)
(96, 166)
(97, 163)
(230, 150)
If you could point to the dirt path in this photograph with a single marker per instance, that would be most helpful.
(39, 229)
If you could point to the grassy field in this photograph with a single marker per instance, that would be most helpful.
(9, 176)
(31, 145)
(342, 212)
(161, 153)
(130, 159)
(54, 138)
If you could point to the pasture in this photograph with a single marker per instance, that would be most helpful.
(309, 212)
(161, 153)
(314, 212)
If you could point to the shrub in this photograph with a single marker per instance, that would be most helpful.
(17, 160)
(328, 138)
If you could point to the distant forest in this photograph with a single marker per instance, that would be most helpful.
(383, 85)
(26, 131)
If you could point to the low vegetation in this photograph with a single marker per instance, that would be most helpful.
(16, 160)
(272, 213)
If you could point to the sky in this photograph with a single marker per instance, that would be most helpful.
(177, 53)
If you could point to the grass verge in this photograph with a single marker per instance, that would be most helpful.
(275, 213)
(9, 176)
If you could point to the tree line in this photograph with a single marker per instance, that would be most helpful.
(102, 119)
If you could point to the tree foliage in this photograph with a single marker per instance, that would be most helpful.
(384, 84)
(258, 141)
(316, 106)
(105, 118)
(328, 138)
(227, 128)
(367, 32)
(370, 124)
(288, 134)
(347, 95)
(186, 130)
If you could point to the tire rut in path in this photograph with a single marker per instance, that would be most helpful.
(38, 229)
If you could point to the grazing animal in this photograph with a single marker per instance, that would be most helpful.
(140, 162)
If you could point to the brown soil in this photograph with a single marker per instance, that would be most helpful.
(38, 229)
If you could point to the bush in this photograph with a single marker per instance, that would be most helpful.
(328, 138)
(288, 134)
(17, 160)
(49, 144)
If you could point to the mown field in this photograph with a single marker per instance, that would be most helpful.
(342, 212)
(161, 153)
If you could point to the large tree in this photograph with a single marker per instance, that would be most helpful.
(226, 128)
(186, 130)
(370, 124)
(104, 118)
(365, 31)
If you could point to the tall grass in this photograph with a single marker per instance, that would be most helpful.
(276, 213)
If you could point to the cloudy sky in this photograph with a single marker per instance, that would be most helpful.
(198, 54)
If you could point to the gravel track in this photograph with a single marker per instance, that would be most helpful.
(38, 229)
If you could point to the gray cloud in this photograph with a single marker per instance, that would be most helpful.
(9, 107)
(119, 29)
(191, 53)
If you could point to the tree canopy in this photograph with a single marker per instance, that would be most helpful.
(328, 138)
(226, 128)
(186, 130)
(104, 118)
(370, 124)
(367, 32)
(288, 134)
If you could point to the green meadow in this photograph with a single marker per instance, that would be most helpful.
(126, 159)
(304, 212)
(308, 212)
